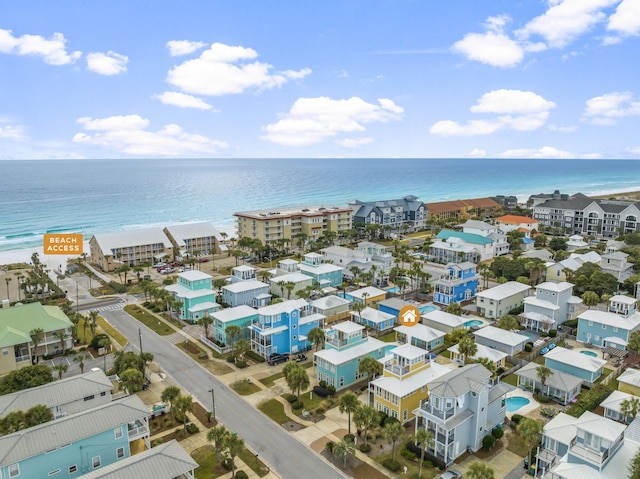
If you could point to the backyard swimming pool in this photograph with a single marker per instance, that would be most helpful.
(426, 308)
(395, 289)
(473, 322)
(516, 402)
(590, 353)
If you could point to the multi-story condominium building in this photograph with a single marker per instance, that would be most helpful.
(242, 316)
(345, 345)
(245, 289)
(463, 406)
(460, 283)
(421, 336)
(589, 216)
(16, 345)
(552, 305)
(562, 387)
(323, 275)
(283, 327)
(509, 223)
(395, 213)
(66, 396)
(272, 225)
(193, 290)
(382, 261)
(496, 302)
(404, 382)
(571, 362)
(535, 200)
(77, 443)
(136, 247)
(589, 446)
(194, 239)
(610, 328)
(461, 209)
(484, 246)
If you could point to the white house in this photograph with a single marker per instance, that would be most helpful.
(506, 341)
(496, 302)
(443, 321)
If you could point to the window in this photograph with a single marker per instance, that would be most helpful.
(341, 381)
(120, 452)
(405, 415)
(615, 330)
(604, 326)
(96, 462)
(103, 393)
(14, 470)
(117, 432)
(52, 473)
(73, 469)
(89, 398)
(590, 323)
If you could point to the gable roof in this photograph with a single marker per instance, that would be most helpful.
(466, 237)
(516, 220)
(16, 322)
(420, 332)
(108, 242)
(630, 376)
(562, 381)
(190, 231)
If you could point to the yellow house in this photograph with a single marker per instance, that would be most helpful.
(367, 295)
(404, 381)
(629, 381)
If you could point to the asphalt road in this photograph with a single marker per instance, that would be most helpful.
(285, 455)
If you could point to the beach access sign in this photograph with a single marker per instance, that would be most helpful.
(63, 243)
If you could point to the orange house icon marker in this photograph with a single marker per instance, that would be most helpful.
(409, 316)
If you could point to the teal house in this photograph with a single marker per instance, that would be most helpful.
(324, 275)
(345, 345)
(583, 366)
(241, 316)
(193, 290)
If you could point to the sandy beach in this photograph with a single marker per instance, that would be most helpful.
(53, 261)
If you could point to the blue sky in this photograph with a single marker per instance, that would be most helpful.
(370, 78)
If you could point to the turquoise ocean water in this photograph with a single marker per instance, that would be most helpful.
(94, 196)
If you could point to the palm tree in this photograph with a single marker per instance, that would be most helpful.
(183, 405)
(62, 336)
(145, 359)
(468, 348)
(358, 308)
(80, 358)
(365, 418)
(543, 373)
(348, 403)
(218, 284)
(38, 414)
(7, 280)
(369, 366)
(289, 286)
(233, 332)
(170, 394)
(530, 430)
(480, 470)
(392, 432)
(138, 269)
(342, 450)
(131, 380)
(297, 380)
(425, 438)
(454, 308)
(242, 346)
(590, 299)
(217, 436)
(37, 336)
(629, 408)
(206, 321)
(61, 368)
(490, 365)
(316, 337)
(93, 318)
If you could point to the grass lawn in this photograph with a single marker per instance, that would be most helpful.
(217, 368)
(253, 462)
(388, 338)
(275, 410)
(244, 388)
(149, 320)
(517, 445)
(605, 373)
(205, 456)
(310, 401)
(446, 354)
(270, 380)
(511, 379)
(111, 331)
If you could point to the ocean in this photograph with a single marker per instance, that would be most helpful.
(96, 196)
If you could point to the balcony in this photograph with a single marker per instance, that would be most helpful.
(338, 343)
(137, 431)
(585, 452)
(20, 359)
(440, 414)
(396, 369)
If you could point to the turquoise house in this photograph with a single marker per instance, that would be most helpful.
(583, 366)
(377, 320)
(345, 345)
(241, 316)
(324, 275)
(610, 328)
(79, 443)
(193, 289)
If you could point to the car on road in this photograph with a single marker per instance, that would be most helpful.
(450, 474)
(277, 358)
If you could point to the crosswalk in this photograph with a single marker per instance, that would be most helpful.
(109, 307)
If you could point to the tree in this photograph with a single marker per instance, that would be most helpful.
(124, 360)
(25, 378)
(170, 394)
(60, 368)
(217, 436)
(530, 430)
(93, 318)
(316, 337)
(233, 332)
(145, 359)
(62, 336)
(7, 280)
(487, 363)
(634, 341)
(365, 417)
(12, 422)
(242, 346)
(426, 440)
(589, 277)
(590, 299)
(206, 321)
(454, 308)
(480, 470)
(369, 366)
(38, 414)
(558, 244)
(37, 336)
(80, 358)
(508, 322)
(630, 408)
(297, 380)
(233, 445)
(131, 380)
(289, 286)
(457, 334)
(348, 403)
(183, 405)
(342, 450)
(467, 347)
(634, 466)
(392, 431)
(543, 373)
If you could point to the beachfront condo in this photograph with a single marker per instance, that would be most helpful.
(396, 214)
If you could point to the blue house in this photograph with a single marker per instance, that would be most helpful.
(245, 289)
(242, 316)
(193, 289)
(324, 275)
(610, 328)
(420, 335)
(79, 443)
(345, 345)
(283, 327)
(377, 320)
(460, 283)
(573, 362)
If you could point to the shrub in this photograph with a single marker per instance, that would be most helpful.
(392, 466)
(516, 418)
(117, 287)
(589, 400)
(322, 392)
(241, 475)
(231, 359)
(323, 384)
(528, 348)
(553, 333)
(572, 323)
(349, 438)
(543, 334)
(332, 389)
(407, 454)
(192, 428)
(255, 356)
(241, 364)
(488, 442)
(497, 432)
(291, 398)
(226, 463)
(389, 420)
(365, 448)
(297, 405)
(329, 446)
(320, 411)
(500, 370)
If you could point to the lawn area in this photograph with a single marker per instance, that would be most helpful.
(517, 445)
(253, 462)
(205, 456)
(111, 331)
(511, 379)
(446, 354)
(388, 338)
(270, 380)
(275, 410)
(310, 401)
(149, 320)
(244, 388)
(217, 368)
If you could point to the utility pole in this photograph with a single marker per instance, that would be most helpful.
(213, 403)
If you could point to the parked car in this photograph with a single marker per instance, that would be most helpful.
(544, 350)
(450, 474)
(203, 260)
(167, 270)
(277, 358)
(159, 409)
(301, 357)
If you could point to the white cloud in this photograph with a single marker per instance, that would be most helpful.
(12, 132)
(128, 134)
(110, 63)
(477, 153)
(183, 47)
(607, 108)
(626, 19)
(565, 21)
(635, 150)
(544, 152)
(518, 110)
(354, 142)
(563, 129)
(53, 50)
(313, 120)
(224, 69)
(492, 48)
(183, 100)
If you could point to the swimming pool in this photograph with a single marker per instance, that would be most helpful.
(389, 348)
(473, 322)
(516, 402)
(590, 353)
(395, 289)
(426, 308)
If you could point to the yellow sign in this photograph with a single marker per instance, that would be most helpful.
(63, 243)
(409, 316)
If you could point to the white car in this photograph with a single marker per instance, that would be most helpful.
(159, 409)
(450, 474)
